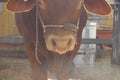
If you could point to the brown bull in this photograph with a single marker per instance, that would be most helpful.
(52, 32)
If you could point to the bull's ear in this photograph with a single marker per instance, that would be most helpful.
(100, 7)
(20, 5)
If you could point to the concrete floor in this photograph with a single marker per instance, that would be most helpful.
(19, 69)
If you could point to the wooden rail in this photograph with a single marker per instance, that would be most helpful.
(11, 41)
(18, 41)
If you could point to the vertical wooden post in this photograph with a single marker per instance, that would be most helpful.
(116, 35)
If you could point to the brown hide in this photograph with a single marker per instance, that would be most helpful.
(54, 62)
(20, 5)
(26, 23)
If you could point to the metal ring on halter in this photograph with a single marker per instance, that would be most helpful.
(71, 27)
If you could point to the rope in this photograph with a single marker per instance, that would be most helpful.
(36, 43)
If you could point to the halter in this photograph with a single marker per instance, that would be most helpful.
(67, 26)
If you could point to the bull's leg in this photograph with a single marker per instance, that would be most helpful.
(65, 72)
(38, 71)
(67, 65)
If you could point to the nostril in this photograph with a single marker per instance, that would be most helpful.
(53, 42)
(69, 42)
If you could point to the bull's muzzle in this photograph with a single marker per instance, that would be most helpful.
(60, 44)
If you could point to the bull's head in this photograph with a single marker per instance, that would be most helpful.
(60, 12)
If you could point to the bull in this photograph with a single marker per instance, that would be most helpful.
(52, 31)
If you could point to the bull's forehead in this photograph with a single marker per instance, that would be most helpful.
(57, 4)
(60, 11)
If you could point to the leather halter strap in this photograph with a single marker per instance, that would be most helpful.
(67, 26)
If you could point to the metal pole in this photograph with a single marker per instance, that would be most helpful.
(116, 34)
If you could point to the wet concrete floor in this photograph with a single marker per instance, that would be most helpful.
(19, 69)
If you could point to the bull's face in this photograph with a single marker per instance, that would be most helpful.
(61, 33)
(60, 12)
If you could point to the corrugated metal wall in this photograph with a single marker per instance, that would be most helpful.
(7, 22)
(9, 43)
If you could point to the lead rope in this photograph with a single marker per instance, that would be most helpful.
(36, 43)
(78, 22)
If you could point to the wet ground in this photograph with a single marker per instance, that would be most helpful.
(19, 69)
